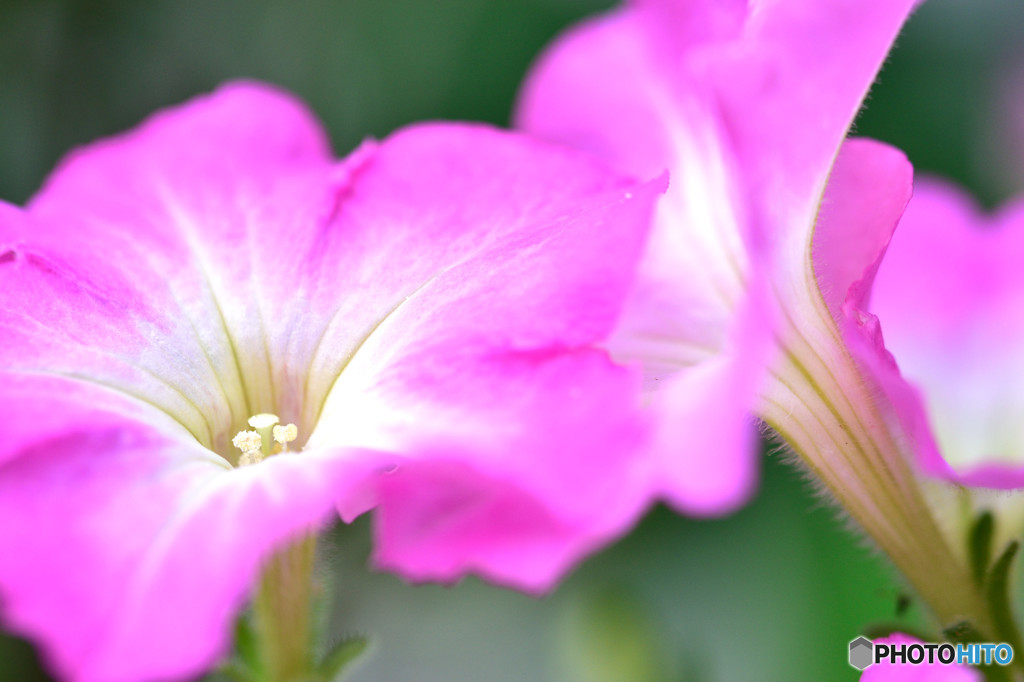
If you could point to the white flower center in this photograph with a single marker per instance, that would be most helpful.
(268, 438)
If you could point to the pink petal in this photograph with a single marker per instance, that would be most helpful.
(689, 23)
(630, 86)
(128, 548)
(263, 264)
(773, 88)
(746, 106)
(599, 87)
(152, 262)
(790, 89)
(949, 295)
(519, 260)
(707, 441)
(867, 192)
(518, 501)
(444, 288)
(485, 367)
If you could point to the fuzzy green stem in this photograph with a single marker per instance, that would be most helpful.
(282, 612)
(819, 402)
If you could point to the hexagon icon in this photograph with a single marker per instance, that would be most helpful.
(861, 653)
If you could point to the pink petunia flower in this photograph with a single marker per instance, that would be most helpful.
(426, 308)
(751, 293)
(949, 296)
(746, 105)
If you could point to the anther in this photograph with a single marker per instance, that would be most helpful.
(247, 440)
(250, 443)
(285, 434)
(268, 438)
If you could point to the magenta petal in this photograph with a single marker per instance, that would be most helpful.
(707, 442)
(128, 550)
(429, 305)
(440, 521)
(783, 80)
(948, 295)
(516, 501)
(534, 244)
(154, 261)
(593, 89)
(790, 89)
(688, 23)
(263, 265)
(626, 87)
(745, 105)
(484, 369)
(868, 190)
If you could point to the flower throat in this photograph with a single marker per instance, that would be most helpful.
(267, 438)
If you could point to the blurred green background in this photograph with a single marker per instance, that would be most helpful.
(773, 593)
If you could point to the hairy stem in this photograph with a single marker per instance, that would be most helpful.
(282, 612)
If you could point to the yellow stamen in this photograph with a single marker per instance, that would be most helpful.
(285, 434)
(250, 457)
(249, 442)
(268, 438)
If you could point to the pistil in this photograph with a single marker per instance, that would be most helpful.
(264, 424)
(268, 438)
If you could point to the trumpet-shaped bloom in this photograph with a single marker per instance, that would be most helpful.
(752, 293)
(949, 295)
(422, 315)
(746, 104)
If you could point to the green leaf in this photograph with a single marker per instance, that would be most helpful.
(980, 546)
(338, 659)
(997, 593)
(247, 657)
